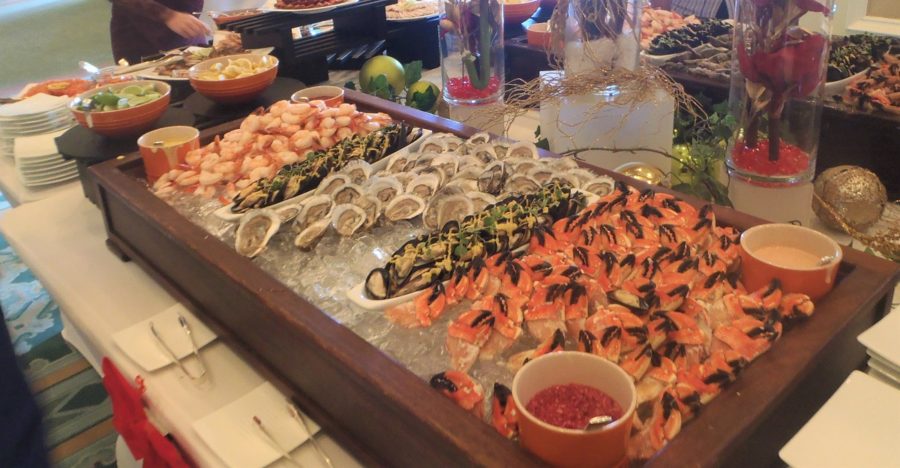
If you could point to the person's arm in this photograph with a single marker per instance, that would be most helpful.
(181, 23)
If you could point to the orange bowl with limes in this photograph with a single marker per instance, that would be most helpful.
(129, 121)
(234, 79)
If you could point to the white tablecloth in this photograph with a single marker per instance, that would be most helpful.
(62, 240)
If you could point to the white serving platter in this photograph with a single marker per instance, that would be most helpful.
(883, 339)
(231, 434)
(138, 344)
(225, 214)
(859, 426)
(270, 6)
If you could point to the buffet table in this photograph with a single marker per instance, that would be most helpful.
(18, 194)
(100, 295)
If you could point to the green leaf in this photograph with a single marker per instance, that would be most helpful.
(379, 86)
(425, 101)
(542, 143)
(350, 85)
(413, 72)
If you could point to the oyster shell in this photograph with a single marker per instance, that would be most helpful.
(372, 207)
(469, 172)
(564, 164)
(501, 150)
(521, 183)
(309, 237)
(255, 230)
(454, 208)
(424, 185)
(358, 170)
(481, 200)
(485, 153)
(400, 162)
(600, 186)
(542, 173)
(441, 177)
(347, 194)
(493, 179)
(448, 163)
(583, 175)
(405, 206)
(313, 209)
(423, 160)
(385, 189)
(479, 138)
(566, 178)
(288, 212)
(347, 219)
(523, 165)
(430, 215)
(454, 143)
(468, 185)
(523, 150)
(333, 182)
(435, 144)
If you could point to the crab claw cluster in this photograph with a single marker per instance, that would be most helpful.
(642, 279)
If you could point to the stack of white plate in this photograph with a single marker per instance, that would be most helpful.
(6, 147)
(38, 114)
(39, 164)
(882, 342)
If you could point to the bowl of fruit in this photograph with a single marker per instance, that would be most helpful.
(122, 109)
(234, 78)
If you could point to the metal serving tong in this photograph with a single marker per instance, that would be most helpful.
(267, 437)
(187, 331)
(298, 416)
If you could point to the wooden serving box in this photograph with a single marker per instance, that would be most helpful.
(386, 415)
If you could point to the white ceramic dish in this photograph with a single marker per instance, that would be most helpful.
(858, 426)
(225, 213)
(138, 344)
(34, 106)
(232, 435)
(883, 362)
(357, 294)
(885, 373)
(270, 6)
(658, 60)
(54, 181)
(37, 146)
(38, 162)
(63, 168)
(836, 88)
(414, 18)
(150, 73)
(883, 339)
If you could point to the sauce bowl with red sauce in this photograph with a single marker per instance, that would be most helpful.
(332, 96)
(556, 394)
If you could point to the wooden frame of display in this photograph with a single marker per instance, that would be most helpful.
(384, 414)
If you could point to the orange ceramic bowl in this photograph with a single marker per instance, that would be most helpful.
(332, 96)
(165, 148)
(237, 90)
(125, 122)
(767, 253)
(515, 13)
(538, 34)
(604, 447)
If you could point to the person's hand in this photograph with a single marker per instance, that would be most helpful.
(186, 26)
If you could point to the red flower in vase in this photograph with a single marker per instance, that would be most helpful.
(793, 70)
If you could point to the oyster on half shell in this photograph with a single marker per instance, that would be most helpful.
(405, 206)
(358, 170)
(310, 236)
(347, 219)
(255, 230)
(333, 182)
(313, 209)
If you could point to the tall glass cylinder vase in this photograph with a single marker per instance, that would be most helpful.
(602, 35)
(779, 66)
(472, 51)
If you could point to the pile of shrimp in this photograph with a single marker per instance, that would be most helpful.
(641, 279)
(265, 142)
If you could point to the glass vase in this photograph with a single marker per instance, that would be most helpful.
(779, 66)
(471, 39)
(602, 35)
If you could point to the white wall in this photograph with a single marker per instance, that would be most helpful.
(850, 17)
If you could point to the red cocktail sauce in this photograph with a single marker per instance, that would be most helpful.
(572, 405)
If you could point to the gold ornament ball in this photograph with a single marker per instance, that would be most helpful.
(856, 194)
(643, 172)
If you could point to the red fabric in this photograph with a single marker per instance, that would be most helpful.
(130, 420)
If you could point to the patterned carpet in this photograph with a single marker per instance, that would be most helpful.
(76, 408)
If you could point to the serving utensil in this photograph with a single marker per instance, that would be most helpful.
(162, 344)
(265, 435)
(597, 422)
(826, 260)
(298, 416)
(187, 331)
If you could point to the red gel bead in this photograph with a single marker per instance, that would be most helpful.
(791, 159)
(572, 405)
